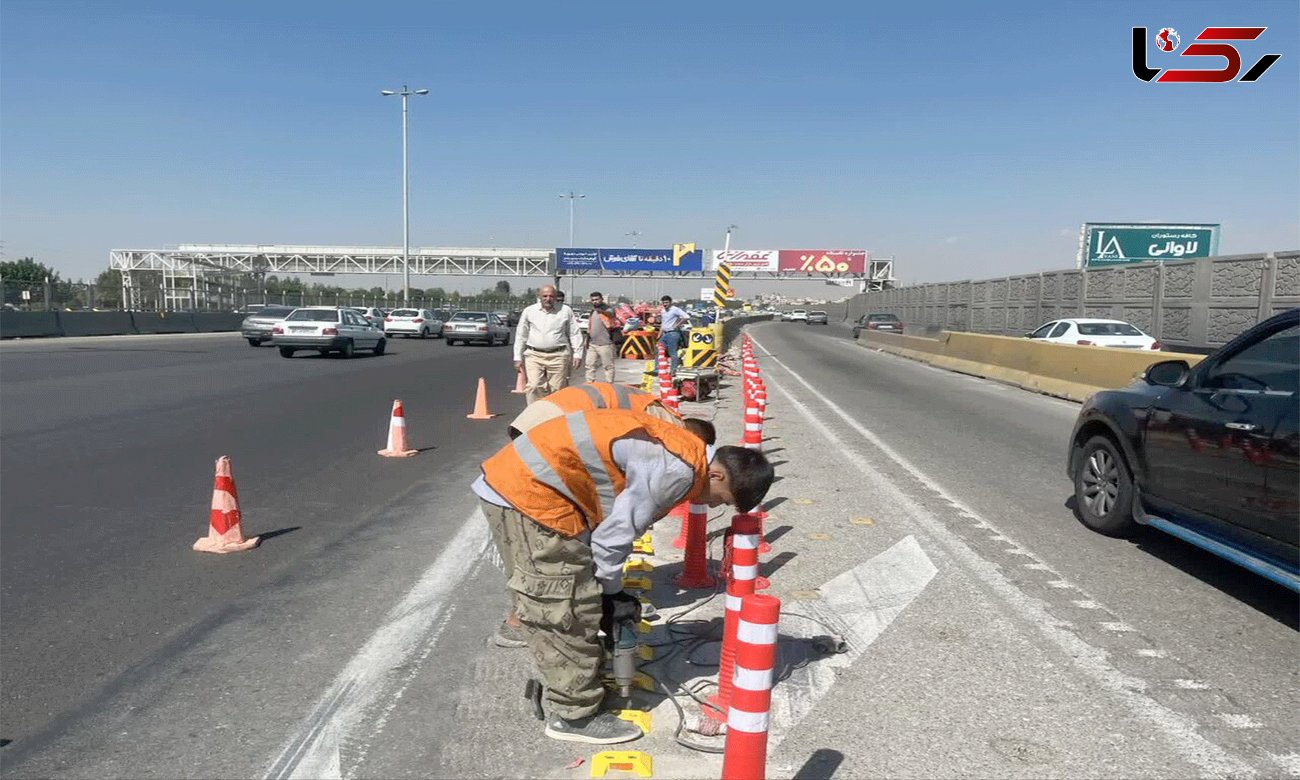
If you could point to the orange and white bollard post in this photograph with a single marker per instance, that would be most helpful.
(745, 754)
(695, 566)
(740, 583)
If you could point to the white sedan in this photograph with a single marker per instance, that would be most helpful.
(412, 322)
(1098, 333)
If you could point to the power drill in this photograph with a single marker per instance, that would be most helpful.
(624, 661)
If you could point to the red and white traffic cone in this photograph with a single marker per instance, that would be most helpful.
(695, 566)
(521, 382)
(753, 439)
(225, 521)
(740, 583)
(745, 754)
(682, 511)
(396, 447)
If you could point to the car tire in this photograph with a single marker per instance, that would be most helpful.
(286, 352)
(347, 350)
(1103, 488)
(424, 334)
(380, 346)
(506, 343)
(254, 342)
(449, 342)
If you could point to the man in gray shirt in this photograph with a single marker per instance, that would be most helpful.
(548, 344)
(600, 339)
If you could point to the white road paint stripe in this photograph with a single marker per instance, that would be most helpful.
(413, 624)
(1181, 730)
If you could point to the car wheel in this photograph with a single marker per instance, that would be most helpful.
(449, 342)
(1103, 488)
(380, 346)
(424, 334)
(286, 352)
(507, 340)
(254, 342)
(347, 350)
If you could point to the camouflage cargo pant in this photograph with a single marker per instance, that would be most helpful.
(552, 583)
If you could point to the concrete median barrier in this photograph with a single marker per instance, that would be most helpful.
(29, 324)
(217, 321)
(1061, 370)
(163, 322)
(96, 323)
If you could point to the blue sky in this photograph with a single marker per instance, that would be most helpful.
(966, 139)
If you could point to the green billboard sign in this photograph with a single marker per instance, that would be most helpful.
(1118, 243)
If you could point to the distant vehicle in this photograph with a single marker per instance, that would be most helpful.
(785, 316)
(515, 316)
(886, 323)
(475, 326)
(799, 315)
(412, 322)
(818, 318)
(327, 330)
(441, 315)
(257, 326)
(1208, 454)
(1089, 332)
(373, 315)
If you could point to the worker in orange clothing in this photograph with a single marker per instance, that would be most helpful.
(565, 502)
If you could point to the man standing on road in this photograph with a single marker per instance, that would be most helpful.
(565, 502)
(671, 320)
(600, 338)
(548, 344)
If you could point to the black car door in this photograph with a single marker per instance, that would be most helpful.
(1204, 440)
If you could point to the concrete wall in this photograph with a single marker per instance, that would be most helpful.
(1188, 302)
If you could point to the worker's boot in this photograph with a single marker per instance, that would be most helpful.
(603, 728)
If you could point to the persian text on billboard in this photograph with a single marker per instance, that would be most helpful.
(747, 259)
(627, 260)
(570, 259)
(824, 261)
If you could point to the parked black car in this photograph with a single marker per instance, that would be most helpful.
(1208, 454)
(887, 323)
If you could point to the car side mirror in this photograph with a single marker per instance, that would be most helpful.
(1167, 373)
(1029, 335)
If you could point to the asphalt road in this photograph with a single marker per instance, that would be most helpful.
(1033, 647)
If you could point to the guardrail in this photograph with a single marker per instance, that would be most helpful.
(39, 324)
(1061, 370)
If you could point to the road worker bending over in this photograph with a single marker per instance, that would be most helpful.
(565, 501)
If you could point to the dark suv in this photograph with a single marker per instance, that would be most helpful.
(1208, 454)
(886, 323)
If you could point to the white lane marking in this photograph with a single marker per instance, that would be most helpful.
(1180, 729)
(413, 624)
(1238, 721)
(860, 603)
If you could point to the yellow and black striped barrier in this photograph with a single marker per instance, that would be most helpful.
(701, 349)
(639, 345)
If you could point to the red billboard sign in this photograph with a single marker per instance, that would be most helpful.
(823, 261)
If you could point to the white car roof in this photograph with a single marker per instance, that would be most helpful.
(1089, 320)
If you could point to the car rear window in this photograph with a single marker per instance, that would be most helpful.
(882, 318)
(471, 316)
(405, 313)
(1107, 329)
(273, 312)
(314, 315)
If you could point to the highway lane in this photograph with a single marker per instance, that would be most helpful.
(113, 626)
(999, 451)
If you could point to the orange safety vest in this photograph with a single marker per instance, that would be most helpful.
(562, 473)
(600, 395)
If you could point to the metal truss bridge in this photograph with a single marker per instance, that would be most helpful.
(211, 267)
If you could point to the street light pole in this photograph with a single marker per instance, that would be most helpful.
(572, 197)
(406, 194)
(726, 244)
(633, 235)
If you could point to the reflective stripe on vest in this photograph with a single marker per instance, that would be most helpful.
(624, 395)
(541, 470)
(582, 439)
(597, 399)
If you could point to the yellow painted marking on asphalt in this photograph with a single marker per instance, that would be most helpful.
(804, 501)
(862, 521)
(805, 595)
(816, 537)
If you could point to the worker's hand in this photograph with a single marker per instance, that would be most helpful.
(577, 362)
(620, 607)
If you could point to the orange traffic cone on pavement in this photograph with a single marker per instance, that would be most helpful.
(225, 529)
(521, 382)
(480, 403)
(396, 447)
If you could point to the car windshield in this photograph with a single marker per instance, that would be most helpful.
(1107, 329)
(314, 315)
(405, 313)
(882, 318)
(470, 316)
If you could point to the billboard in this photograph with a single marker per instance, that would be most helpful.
(1121, 243)
(747, 259)
(823, 261)
(571, 259)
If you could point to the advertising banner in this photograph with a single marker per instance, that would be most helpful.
(747, 259)
(1118, 244)
(706, 294)
(823, 261)
(665, 260)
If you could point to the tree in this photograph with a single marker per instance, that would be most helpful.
(108, 289)
(27, 270)
(503, 287)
